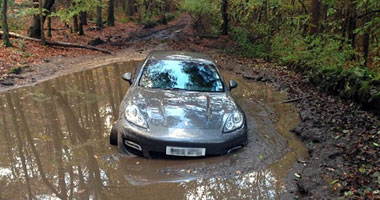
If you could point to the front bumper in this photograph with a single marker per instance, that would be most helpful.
(156, 147)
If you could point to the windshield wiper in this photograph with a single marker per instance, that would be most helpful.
(174, 89)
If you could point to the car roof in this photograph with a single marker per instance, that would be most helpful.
(179, 55)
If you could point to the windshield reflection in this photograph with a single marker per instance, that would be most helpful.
(182, 75)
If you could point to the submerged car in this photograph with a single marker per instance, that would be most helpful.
(178, 105)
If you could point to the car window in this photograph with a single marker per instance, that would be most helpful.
(182, 75)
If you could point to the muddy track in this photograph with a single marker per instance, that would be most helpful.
(166, 33)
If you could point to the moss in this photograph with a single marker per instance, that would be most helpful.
(16, 70)
(376, 80)
(374, 102)
(376, 97)
(364, 92)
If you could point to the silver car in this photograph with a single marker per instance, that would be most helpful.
(178, 105)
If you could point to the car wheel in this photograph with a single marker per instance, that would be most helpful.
(113, 136)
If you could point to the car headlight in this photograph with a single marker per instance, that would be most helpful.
(234, 121)
(133, 115)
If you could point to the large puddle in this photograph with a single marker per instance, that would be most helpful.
(54, 144)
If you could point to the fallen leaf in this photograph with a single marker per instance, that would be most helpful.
(330, 169)
(334, 181)
(337, 137)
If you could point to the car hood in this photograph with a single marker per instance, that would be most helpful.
(166, 109)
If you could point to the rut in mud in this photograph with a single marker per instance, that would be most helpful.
(166, 33)
(56, 142)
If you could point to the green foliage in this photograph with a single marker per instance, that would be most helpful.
(206, 14)
(21, 44)
(77, 6)
(16, 70)
(15, 18)
(150, 10)
(329, 64)
(290, 47)
(149, 22)
(246, 47)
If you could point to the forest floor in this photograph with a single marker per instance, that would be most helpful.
(342, 139)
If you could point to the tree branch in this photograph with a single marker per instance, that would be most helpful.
(303, 6)
(368, 13)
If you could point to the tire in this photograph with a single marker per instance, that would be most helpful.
(113, 137)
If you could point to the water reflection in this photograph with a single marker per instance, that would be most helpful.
(254, 185)
(54, 145)
(52, 133)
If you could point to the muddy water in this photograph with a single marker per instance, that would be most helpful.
(54, 145)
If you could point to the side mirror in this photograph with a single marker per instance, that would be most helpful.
(233, 84)
(127, 77)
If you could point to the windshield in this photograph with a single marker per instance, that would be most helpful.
(182, 75)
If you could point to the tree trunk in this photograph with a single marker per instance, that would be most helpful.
(81, 23)
(7, 43)
(164, 9)
(131, 7)
(315, 16)
(111, 13)
(49, 27)
(351, 29)
(83, 16)
(76, 25)
(366, 40)
(99, 18)
(225, 17)
(42, 24)
(34, 30)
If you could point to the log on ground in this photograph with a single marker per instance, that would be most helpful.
(57, 43)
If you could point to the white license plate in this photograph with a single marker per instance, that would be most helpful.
(183, 151)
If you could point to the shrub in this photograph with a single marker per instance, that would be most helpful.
(204, 13)
(246, 46)
(328, 65)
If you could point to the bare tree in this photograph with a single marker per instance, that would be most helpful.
(7, 43)
(225, 17)
(131, 7)
(315, 16)
(99, 18)
(49, 27)
(34, 30)
(81, 23)
(111, 13)
(42, 23)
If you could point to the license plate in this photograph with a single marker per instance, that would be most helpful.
(183, 151)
